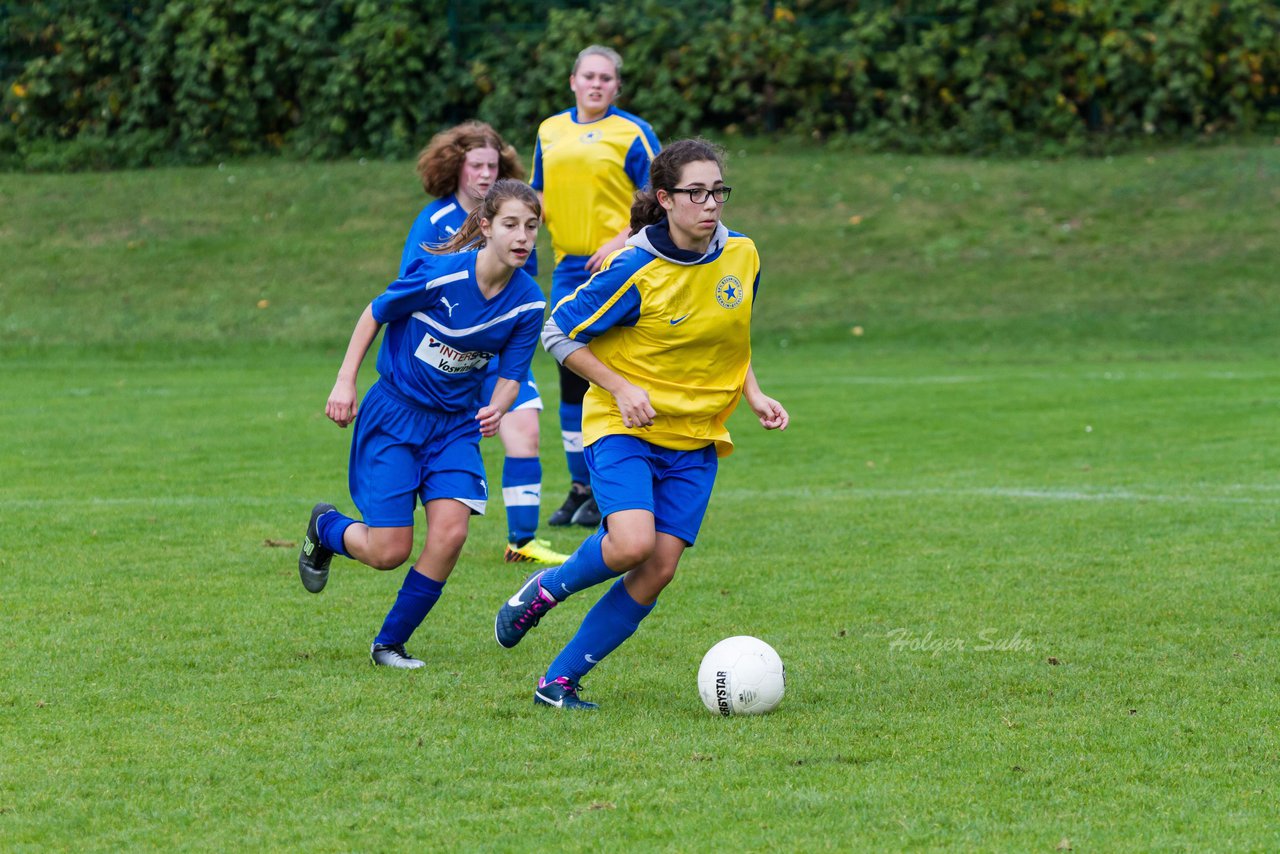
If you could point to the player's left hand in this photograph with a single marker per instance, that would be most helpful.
(490, 417)
(597, 259)
(772, 415)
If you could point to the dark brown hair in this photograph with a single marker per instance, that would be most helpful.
(664, 174)
(469, 236)
(441, 161)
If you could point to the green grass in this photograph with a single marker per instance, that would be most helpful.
(1046, 469)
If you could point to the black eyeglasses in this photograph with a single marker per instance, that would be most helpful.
(698, 195)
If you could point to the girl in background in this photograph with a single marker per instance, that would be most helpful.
(459, 166)
(588, 161)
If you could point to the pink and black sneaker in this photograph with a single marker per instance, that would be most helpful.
(522, 611)
(562, 693)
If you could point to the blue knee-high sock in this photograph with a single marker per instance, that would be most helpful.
(522, 494)
(413, 603)
(331, 527)
(571, 433)
(584, 568)
(609, 622)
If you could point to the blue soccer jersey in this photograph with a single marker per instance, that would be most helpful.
(441, 331)
(438, 222)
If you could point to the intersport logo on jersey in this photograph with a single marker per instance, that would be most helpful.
(446, 359)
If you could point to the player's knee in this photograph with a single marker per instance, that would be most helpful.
(663, 573)
(521, 439)
(630, 548)
(449, 538)
(390, 554)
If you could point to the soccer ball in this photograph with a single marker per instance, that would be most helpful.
(741, 676)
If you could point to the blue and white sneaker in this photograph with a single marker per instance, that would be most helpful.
(522, 611)
(562, 693)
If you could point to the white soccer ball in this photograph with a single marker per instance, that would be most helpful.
(741, 676)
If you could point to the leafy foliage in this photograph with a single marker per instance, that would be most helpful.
(104, 83)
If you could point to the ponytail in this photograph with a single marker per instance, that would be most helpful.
(464, 237)
(469, 236)
(645, 209)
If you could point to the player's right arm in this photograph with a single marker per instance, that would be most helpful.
(341, 407)
(633, 401)
(608, 299)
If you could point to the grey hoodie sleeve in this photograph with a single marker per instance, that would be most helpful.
(557, 343)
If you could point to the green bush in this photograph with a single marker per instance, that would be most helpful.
(102, 83)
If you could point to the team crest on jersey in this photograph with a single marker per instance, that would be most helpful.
(446, 359)
(591, 136)
(729, 292)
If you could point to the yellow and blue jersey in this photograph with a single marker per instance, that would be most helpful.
(674, 323)
(588, 174)
(441, 331)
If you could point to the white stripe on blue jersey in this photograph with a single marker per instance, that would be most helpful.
(440, 281)
(445, 211)
(436, 223)
(529, 306)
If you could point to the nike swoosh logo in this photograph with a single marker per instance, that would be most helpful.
(515, 601)
(678, 319)
(557, 703)
(591, 660)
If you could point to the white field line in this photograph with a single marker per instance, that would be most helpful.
(1006, 493)
(1015, 376)
(739, 494)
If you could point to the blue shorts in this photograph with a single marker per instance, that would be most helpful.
(568, 274)
(400, 452)
(628, 473)
(528, 396)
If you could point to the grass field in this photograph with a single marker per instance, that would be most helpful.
(1017, 549)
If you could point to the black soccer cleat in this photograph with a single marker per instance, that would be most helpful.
(313, 560)
(588, 515)
(578, 496)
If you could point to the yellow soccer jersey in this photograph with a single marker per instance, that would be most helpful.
(588, 174)
(679, 329)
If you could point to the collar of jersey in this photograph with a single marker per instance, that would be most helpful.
(573, 114)
(656, 240)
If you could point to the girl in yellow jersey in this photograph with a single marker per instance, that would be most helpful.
(663, 334)
(588, 161)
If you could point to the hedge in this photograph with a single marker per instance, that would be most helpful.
(94, 84)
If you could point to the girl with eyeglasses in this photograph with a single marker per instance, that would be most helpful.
(663, 334)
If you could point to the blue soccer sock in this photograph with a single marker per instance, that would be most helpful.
(584, 568)
(571, 433)
(414, 601)
(609, 622)
(331, 527)
(522, 495)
